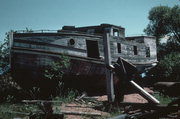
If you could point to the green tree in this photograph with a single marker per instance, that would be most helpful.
(4, 52)
(164, 20)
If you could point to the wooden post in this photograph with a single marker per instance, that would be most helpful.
(109, 74)
(10, 35)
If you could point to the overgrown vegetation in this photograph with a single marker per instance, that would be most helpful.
(165, 21)
(163, 99)
(10, 91)
(4, 52)
(168, 68)
(55, 73)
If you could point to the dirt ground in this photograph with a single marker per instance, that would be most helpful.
(86, 107)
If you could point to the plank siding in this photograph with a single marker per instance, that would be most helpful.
(31, 53)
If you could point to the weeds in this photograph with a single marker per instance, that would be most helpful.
(55, 73)
(68, 97)
(162, 98)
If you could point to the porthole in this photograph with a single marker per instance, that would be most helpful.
(71, 42)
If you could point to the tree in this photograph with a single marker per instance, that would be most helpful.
(168, 69)
(4, 52)
(164, 20)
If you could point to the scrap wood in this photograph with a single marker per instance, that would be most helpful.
(121, 116)
(79, 98)
(79, 106)
(21, 113)
(95, 98)
(81, 113)
(159, 112)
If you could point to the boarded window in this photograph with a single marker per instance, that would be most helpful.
(147, 51)
(135, 50)
(92, 49)
(119, 47)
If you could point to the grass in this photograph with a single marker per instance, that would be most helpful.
(162, 98)
(9, 111)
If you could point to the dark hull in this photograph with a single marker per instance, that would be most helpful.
(82, 74)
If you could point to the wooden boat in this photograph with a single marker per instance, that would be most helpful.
(32, 51)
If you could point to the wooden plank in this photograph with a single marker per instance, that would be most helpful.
(109, 74)
(144, 93)
(121, 116)
(81, 113)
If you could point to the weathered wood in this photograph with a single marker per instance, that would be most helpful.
(32, 52)
(109, 74)
(122, 116)
(158, 113)
(47, 116)
(81, 113)
(20, 113)
(82, 96)
(121, 71)
(10, 35)
(38, 101)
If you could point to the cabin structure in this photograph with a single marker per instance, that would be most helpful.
(32, 51)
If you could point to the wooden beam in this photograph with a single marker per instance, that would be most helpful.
(144, 93)
(10, 35)
(81, 113)
(109, 74)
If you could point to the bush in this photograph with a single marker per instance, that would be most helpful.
(168, 68)
(55, 72)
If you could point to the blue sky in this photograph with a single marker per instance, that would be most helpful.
(53, 14)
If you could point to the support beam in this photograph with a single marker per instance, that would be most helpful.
(10, 35)
(109, 73)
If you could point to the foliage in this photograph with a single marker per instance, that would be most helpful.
(162, 98)
(9, 111)
(4, 52)
(8, 89)
(56, 70)
(168, 68)
(164, 20)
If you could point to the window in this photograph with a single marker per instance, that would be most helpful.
(115, 32)
(92, 49)
(119, 47)
(147, 51)
(91, 31)
(135, 50)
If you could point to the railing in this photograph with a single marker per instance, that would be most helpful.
(35, 31)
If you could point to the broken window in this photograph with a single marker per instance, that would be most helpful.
(92, 49)
(135, 50)
(119, 47)
(147, 51)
